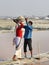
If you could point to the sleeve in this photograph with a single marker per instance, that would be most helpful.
(30, 27)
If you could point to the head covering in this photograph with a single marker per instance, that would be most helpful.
(21, 18)
(18, 19)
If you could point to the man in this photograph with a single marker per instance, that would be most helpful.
(28, 37)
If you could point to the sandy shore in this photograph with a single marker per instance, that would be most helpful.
(25, 62)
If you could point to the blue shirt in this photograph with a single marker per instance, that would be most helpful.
(28, 31)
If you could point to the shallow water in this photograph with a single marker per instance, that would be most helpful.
(40, 43)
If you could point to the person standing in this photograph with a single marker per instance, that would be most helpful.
(17, 39)
(28, 37)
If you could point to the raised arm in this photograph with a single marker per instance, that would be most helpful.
(26, 19)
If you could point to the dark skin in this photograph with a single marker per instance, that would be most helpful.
(15, 20)
(30, 22)
(26, 19)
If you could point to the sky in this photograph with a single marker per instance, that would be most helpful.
(24, 7)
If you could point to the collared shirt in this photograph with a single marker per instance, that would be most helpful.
(28, 31)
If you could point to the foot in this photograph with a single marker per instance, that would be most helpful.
(19, 58)
(25, 56)
(14, 58)
(31, 56)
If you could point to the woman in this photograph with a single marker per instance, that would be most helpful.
(17, 39)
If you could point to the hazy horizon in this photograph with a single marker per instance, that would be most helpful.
(24, 7)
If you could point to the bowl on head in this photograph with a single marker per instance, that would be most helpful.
(21, 18)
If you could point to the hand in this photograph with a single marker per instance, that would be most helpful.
(15, 20)
(26, 18)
